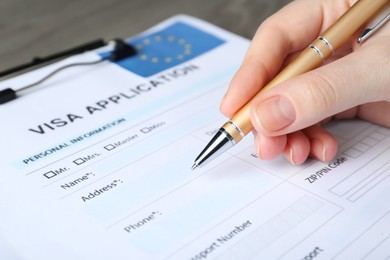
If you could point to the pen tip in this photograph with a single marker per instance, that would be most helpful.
(194, 166)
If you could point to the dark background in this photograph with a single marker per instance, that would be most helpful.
(40, 27)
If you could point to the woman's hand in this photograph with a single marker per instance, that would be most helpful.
(287, 118)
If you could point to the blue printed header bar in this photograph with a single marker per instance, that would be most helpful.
(167, 48)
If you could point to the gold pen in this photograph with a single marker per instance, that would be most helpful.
(311, 57)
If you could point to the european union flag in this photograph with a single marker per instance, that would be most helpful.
(169, 47)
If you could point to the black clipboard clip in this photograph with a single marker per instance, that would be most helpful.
(120, 51)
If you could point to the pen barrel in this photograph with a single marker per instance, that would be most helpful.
(306, 61)
(350, 22)
(311, 57)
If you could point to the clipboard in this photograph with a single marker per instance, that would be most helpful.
(120, 50)
(95, 164)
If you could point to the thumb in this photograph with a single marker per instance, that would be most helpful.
(309, 98)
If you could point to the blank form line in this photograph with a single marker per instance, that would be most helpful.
(376, 247)
(361, 235)
(339, 189)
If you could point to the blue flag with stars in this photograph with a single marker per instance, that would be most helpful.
(167, 48)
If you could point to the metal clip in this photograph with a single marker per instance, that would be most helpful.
(373, 28)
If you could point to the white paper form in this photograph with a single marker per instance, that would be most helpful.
(95, 164)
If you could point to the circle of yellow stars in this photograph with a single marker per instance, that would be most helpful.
(157, 38)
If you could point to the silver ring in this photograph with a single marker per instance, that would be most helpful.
(237, 128)
(318, 51)
(327, 43)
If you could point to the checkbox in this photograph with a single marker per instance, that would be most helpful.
(109, 147)
(50, 174)
(351, 152)
(79, 161)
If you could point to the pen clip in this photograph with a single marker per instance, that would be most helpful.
(372, 29)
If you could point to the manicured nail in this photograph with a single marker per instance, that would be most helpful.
(275, 113)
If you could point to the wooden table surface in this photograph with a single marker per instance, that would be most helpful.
(30, 28)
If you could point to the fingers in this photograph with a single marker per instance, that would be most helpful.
(377, 112)
(339, 89)
(286, 32)
(298, 146)
(323, 146)
(274, 40)
(268, 148)
(307, 99)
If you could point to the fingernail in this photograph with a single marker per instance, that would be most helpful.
(257, 144)
(258, 150)
(291, 155)
(275, 113)
(318, 149)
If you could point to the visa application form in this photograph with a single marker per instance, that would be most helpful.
(95, 164)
